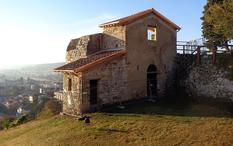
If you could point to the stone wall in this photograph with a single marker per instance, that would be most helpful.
(143, 52)
(112, 84)
(113, 37)
(83, 46)
(72, 99)
(207, 80)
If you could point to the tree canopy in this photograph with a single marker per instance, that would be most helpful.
(217, 25)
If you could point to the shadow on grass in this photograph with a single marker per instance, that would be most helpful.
(175, 106)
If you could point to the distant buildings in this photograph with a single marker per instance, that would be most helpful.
(18, 96)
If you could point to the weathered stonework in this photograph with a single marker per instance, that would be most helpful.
(114, 37)
(112, 83)
(80, 48)
(142, 53)
(126, 77)
(83, 46)
(206, 80)
(72, 99)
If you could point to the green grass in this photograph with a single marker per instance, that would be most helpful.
(140, 123)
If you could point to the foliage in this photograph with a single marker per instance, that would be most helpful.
(54, 106)
(6, 124)
(46, 109)
(22, 119)
(50, 108)
(217, 22)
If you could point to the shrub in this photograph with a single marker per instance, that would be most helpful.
(6, 124)
(50, 108)
(22, 119)
(54, 105)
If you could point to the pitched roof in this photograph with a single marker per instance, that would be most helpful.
(134, 17)
(91, 61)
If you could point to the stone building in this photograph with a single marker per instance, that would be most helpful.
(131, 59)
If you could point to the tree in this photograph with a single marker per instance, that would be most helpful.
(217, 22)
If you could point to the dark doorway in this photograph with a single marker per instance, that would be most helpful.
(69, 84)
(93, 92)
(152, 81)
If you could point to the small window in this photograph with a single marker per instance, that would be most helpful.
(93, 92)
(69, 84)
(151, 33)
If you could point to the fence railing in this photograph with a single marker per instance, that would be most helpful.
(198, 49)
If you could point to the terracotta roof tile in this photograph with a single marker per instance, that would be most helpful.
(134, 17)
(89, 61)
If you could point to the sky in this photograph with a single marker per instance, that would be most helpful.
(38, 31)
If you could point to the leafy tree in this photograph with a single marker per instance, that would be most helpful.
(217, 25)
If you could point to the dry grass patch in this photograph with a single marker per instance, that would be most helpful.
(129, 127)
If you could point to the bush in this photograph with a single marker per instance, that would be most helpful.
(54, 105)
(51, 107)
(10, 122)
(6, 124)
(20, 120)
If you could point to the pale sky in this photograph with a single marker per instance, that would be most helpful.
(38, 31)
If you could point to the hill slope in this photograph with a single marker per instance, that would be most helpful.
(138, 124)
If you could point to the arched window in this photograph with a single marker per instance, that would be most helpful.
(152, 69)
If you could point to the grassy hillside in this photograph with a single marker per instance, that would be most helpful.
(141, 123)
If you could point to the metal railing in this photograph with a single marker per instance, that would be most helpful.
(190, 47)
(198, 49)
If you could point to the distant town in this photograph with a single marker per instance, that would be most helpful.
(21, 91)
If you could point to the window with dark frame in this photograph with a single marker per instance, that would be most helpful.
(69, 84)
(151, 33)
(93, 92)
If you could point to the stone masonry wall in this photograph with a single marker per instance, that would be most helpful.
(142, 52)
(83, 46)
(113, 37)
(206, 80)
(71, 99)
(112, 84)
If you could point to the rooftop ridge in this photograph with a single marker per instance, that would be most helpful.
(131, 18)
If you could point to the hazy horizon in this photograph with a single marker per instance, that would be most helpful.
(38, 32)
(19, 66)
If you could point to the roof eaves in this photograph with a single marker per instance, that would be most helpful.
(100, 61)
(91, 64)
(61, 70)
(115, 22)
